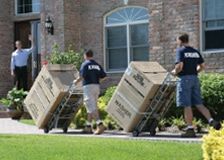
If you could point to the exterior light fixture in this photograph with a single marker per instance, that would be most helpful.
(49, 26)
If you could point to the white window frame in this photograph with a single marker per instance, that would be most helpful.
(127, 25)
(202, 35)
(29, 13)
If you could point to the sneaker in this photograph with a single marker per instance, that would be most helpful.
(189, 133)
(87, 130)
(215, 124)
(100, 129)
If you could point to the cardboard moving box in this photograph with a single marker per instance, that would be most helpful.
(48, 90)
(134, 93)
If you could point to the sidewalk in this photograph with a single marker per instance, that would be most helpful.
(8, 126)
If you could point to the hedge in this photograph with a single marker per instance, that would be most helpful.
(212, 87)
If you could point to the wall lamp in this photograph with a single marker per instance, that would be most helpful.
(49, 26)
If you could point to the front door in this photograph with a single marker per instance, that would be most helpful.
(22, 31)
(36, 65)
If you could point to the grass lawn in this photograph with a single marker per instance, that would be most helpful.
(53, 147)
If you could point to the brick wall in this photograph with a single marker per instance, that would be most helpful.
(72, 21)
(92, 22)
(168, 18)
(6, 46)
(54, 9)
(81, 24)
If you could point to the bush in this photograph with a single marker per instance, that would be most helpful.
(14, 99)
(102, 103)
(213, 145)
(80, 118)
(67, 57)
(212, 87)
(179, 122)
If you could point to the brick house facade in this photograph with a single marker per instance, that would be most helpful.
(82, 24)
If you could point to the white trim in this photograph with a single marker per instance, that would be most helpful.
(129, 23)
(128, 43)
(201, 27)
(119, 8)
(213, 51)
(15, 7)
(126, 2)
(114, 72)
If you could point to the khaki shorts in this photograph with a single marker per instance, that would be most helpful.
(91, 94)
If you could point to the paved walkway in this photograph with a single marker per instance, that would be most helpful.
(8, 126)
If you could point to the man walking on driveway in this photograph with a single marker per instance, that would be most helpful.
(19, 64)
(90, 74)
(189, 63)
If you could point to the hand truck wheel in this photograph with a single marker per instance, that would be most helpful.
(46, 130)
(135, 133)
(153, 133)
(65, 130)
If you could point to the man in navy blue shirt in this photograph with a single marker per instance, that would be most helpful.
(91, 73)
(189, 63)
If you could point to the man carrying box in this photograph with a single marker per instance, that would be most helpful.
(189, 63)
(90, 74)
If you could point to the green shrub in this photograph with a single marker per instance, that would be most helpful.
(179, 122)
(80, 118)
(14, 99)
(67, 57)
(212, 86)
(212, 89)
(102, 103)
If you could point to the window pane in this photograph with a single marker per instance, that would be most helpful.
(213, 9)
(28, 6)
(214, 39)
(20, 6)
(117, 59)
(140, 54)
(139, 34)
(130, 14)
(215, 24)
(116, 37)
(36, 5)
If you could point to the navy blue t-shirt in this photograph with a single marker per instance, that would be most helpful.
(191, 58)
(91, 72)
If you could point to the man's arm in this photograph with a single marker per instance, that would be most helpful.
(30, 50)
(200, 67)
(77, 80)
(178, 68)
(178, 63)
(103, 79)
(12, 65)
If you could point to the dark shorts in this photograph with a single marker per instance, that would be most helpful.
(188, 91)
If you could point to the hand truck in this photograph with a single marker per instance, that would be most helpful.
(66, 110)
(158, 107)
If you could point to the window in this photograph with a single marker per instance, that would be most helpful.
(126, 40)
(213, 24)
(27, 6)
